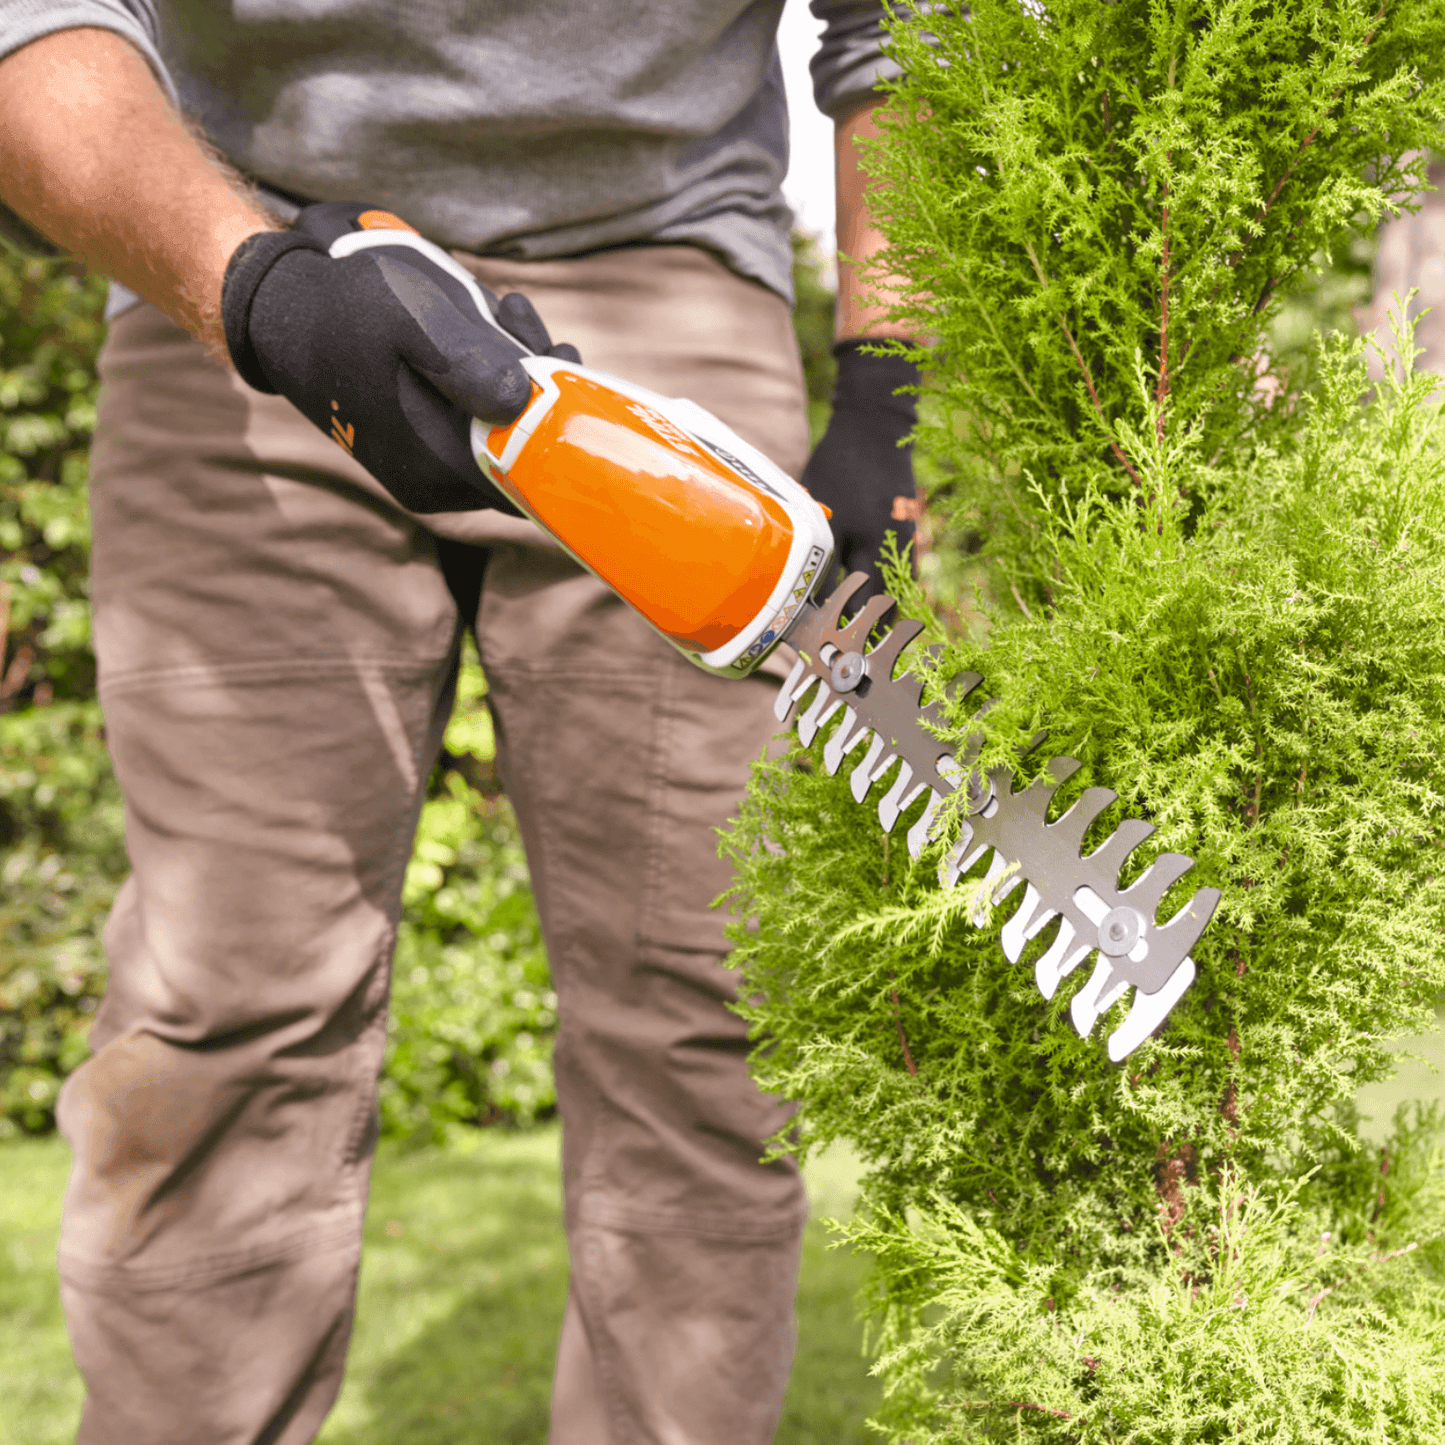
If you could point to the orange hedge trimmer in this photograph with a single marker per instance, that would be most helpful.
(628, 481)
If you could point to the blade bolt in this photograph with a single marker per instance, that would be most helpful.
(848, 671)
(1119, 931)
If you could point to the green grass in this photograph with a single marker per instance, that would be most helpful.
(462, 1288)
(40, 1404)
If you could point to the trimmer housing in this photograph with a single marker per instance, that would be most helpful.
(628, 482)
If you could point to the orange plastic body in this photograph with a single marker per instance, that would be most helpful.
(621, 486)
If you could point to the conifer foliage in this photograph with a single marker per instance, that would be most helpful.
(1087, 188)
(1230, 578)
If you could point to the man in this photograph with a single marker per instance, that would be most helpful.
(277, 632)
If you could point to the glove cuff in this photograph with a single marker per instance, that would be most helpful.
(868, 382)
(245, 271)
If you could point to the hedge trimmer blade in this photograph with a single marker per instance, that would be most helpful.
(883, 724)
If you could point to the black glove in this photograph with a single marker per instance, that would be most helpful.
(858, 469)
(384, 350)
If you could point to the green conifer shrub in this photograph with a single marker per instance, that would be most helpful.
(1229, 573)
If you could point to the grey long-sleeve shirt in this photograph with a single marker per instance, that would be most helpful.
(524, 128)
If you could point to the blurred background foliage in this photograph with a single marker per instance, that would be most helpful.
(60, 815)
(473, 1013)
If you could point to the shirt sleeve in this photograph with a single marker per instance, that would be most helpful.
(850, 63)
(22, 21)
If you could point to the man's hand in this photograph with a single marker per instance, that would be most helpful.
(859, 469)
(385, 349)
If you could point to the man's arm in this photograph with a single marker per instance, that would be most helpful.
(94, 157)
(862, 468)
(859, 239)
(376, 352)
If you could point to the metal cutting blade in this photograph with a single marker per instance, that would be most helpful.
(883, 729)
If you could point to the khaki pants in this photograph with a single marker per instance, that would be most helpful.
(276, 645)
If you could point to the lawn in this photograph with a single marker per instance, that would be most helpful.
(462, 1288)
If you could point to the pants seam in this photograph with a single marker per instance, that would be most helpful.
(369, 1062)
(292, 667)
(632, 1220)
(563, 952)
(656, 799)
(211, 1269)
(614, 1402)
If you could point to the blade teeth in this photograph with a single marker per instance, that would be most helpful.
(1084, 1009)
(863, 775)
(1035, 742)
(846, 737)
(1006, 887)
(959, 857)
(1148, 1011)
(1035, 799)
(960, 686)
(1110, 854)
(978, 915)
(1012, 936)
(1060, 960)
(914, 794)
(823, 706)
(948, 768)
(1183, 930)
(839, 598)
(854, 637)
(810, 681)
(918, 833)
(1158, 878)
(1040, 923)
(897, 798)
(1075, 823)
(884, 657)
(1111, 995)
(867, 730)
(783, 703)
(1000, 787)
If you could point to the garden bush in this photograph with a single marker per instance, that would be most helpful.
(60, 825)
(1224, 560)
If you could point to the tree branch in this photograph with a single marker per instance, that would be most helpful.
(1349, 1279)
(1162, 391)
(1012, 1405)
(1098, 408)
(902, 1037)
